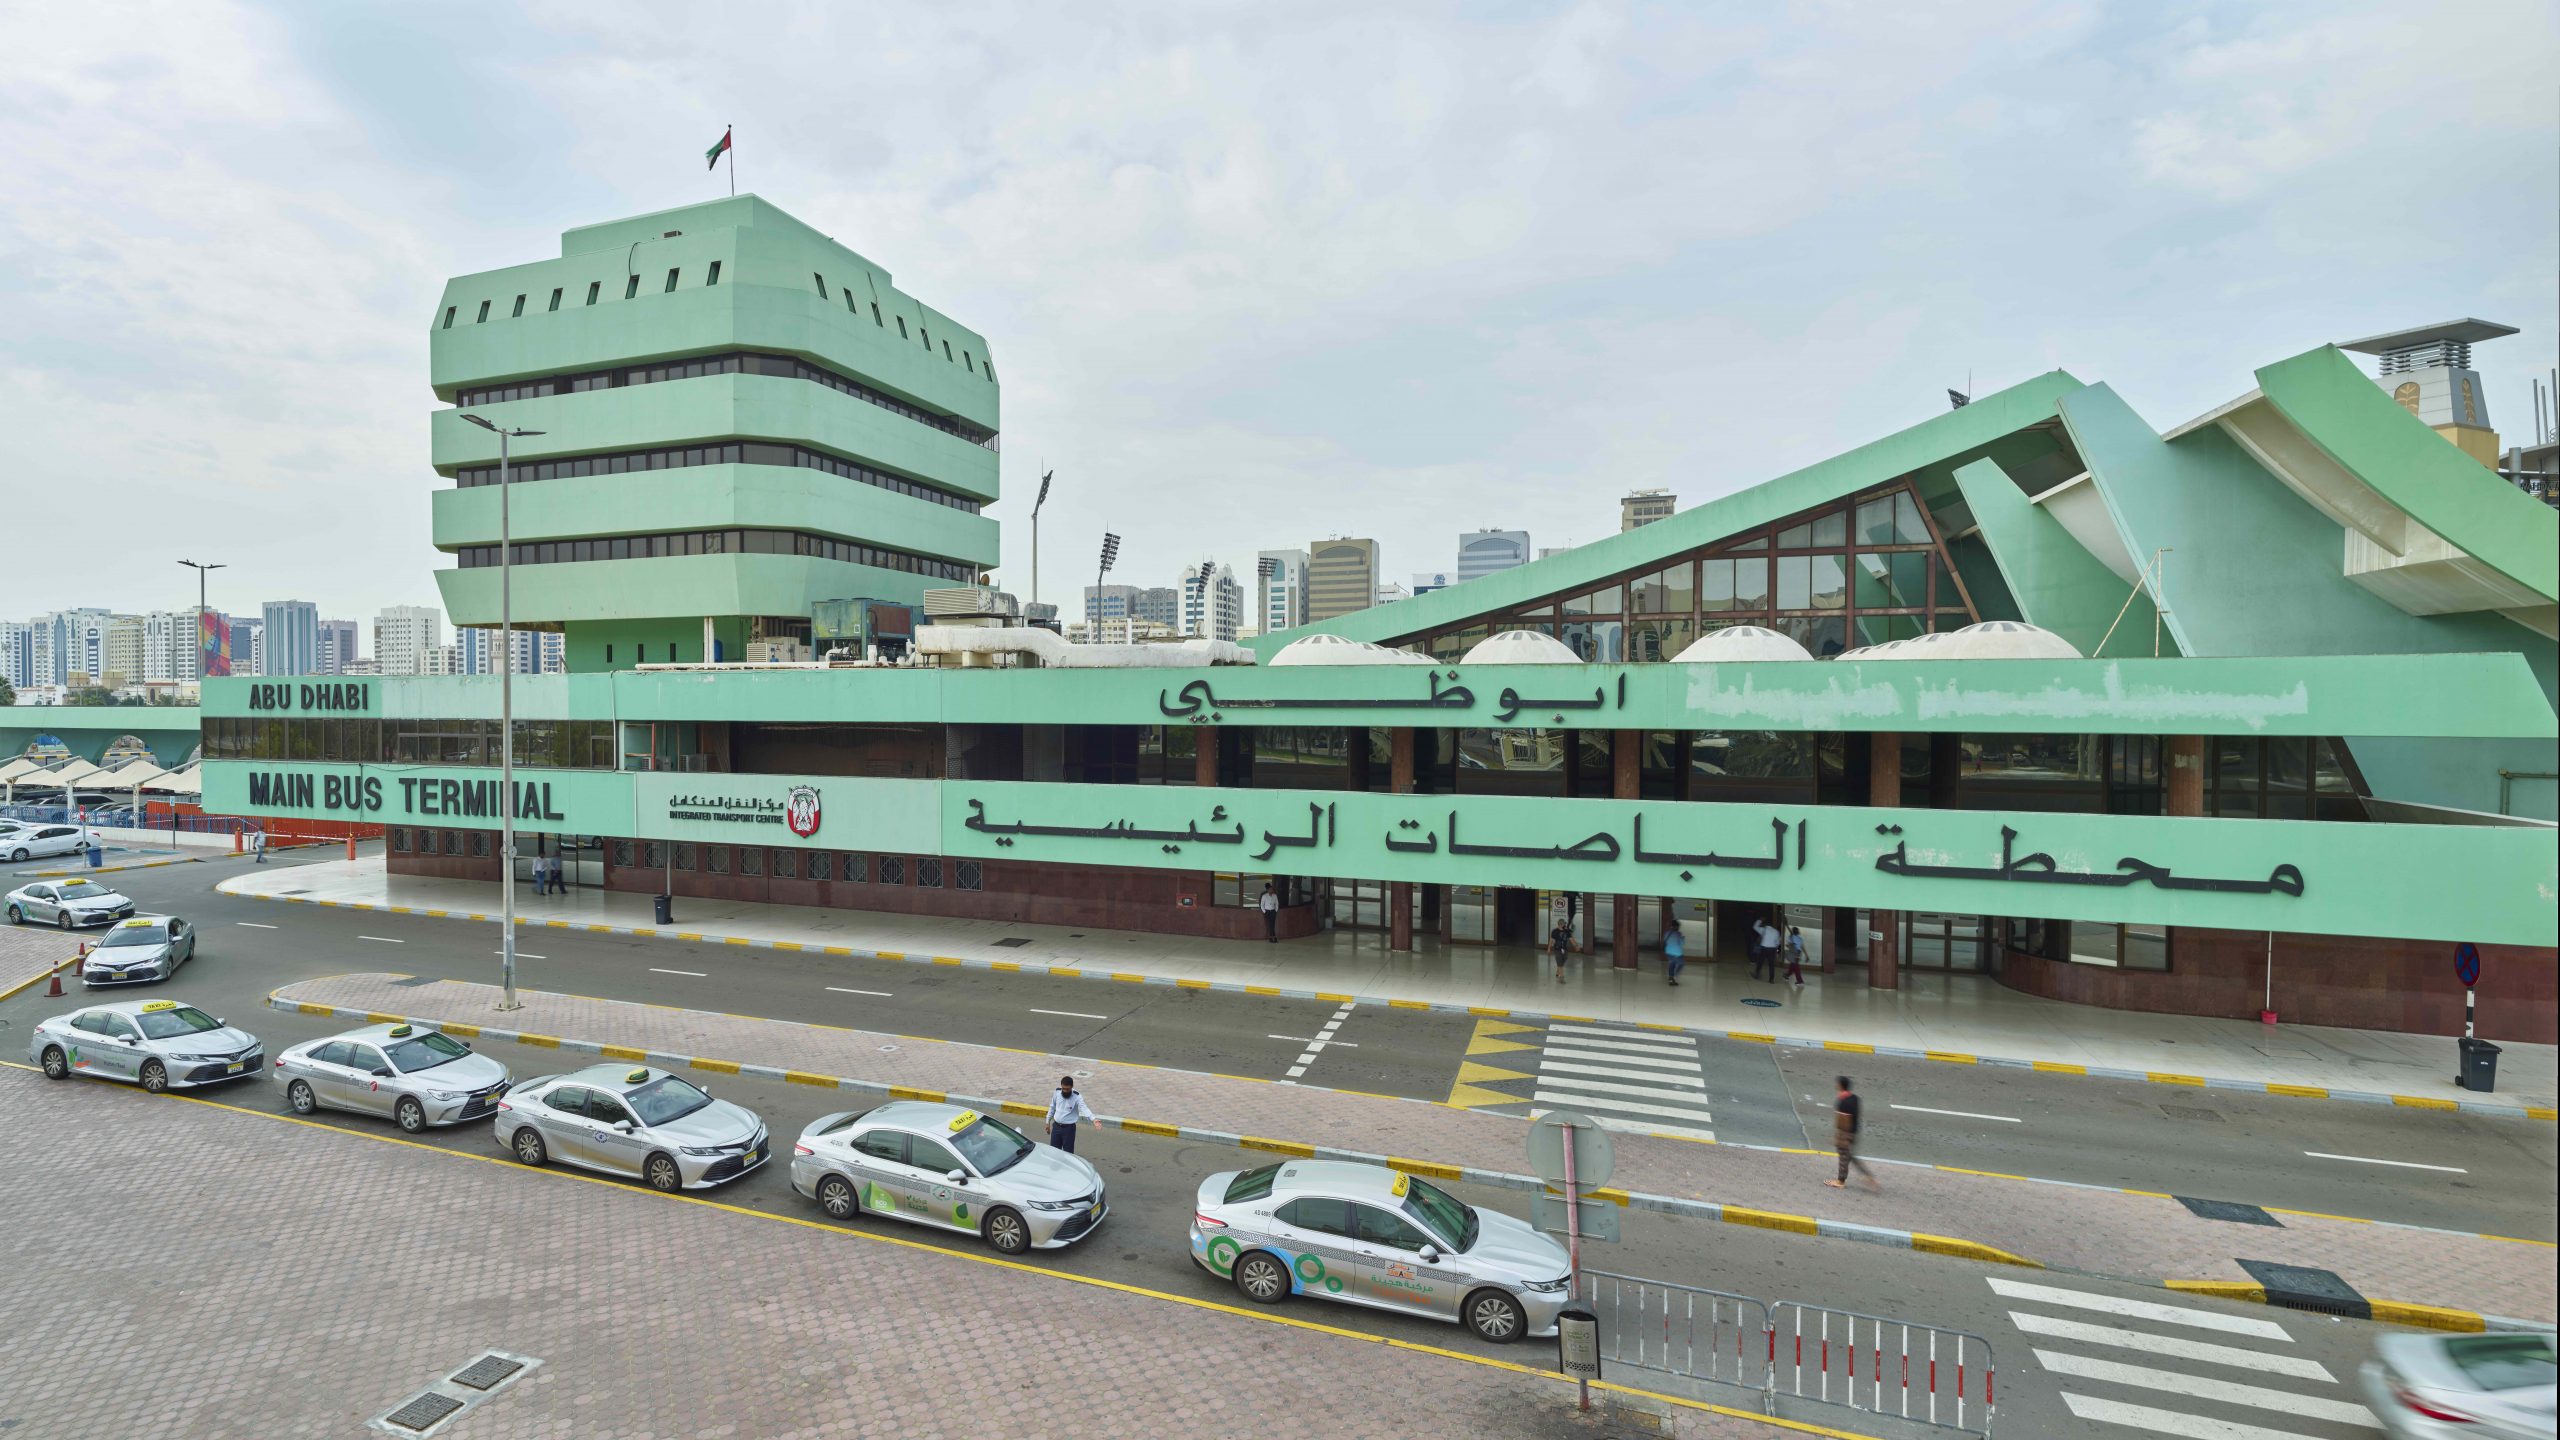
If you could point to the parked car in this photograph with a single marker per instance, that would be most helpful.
(144, 948)
(68, 903)
(634, 1120)
(951, 1168)
(156, 1044)
(416, 1075)
(2441, 1387)
(37, 841)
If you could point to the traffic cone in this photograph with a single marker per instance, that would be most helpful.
(53, 991)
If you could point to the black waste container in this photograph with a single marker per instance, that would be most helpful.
(666, 908)
(2479, 1066)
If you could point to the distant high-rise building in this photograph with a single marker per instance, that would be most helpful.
(444, 660)
(1642, 507)
(248, 645)
(121, 660)
(338, 640)
(1426, 581)
(1390, 592)
(17, 652)
(1281, 593)
(1147, 604)
(1212, 601)
(1342, 576)
(1482, 552)
(537, 652)
(64, 643)
(293, 638)
(405, 638)
(169, 646)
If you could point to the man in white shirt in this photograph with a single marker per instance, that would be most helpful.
(1270, 913)
(1765, 950)
(1065, 1109)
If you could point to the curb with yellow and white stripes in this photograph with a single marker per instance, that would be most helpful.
(1752, 1037)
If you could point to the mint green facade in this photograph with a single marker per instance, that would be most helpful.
(780, 289)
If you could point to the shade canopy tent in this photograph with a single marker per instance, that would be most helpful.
(179, 782)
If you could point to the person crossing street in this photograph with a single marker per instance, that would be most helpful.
(1066, 1108)
(1845, 1114)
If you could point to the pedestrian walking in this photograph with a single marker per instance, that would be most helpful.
(1675, 951)
(1559, 942)
(1764, 948)
(1844, 1137)
(1270, 913)
(1795, 957)
(1065, 1109)
(258, 845)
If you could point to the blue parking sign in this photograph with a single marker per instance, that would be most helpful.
(2466, 963)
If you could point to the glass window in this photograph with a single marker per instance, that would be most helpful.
(751, 860)
(684, 857)
(483, 317)
(448, 316)
(893, 870)
(2235, 790)
(931, 1155)
(1796, 537)
(1877, 629)
(822, 283)
(1751, 584)
(631, 288)
(1672, 591)
(1875, 521)
(672, 272)
(1715, 585)
(1377, 1227)
(1650, 639)
(712, 276)
(855, 868)
(1831, 531)
(566, 1099)
(1322, 1215)
(1830, 581)
(1821, 637)
(1908, 527)
(1795, 582)
(715, 858)
(889, 1145)
(594, 287)
(786, 865)
(928, 872)
(518, 312)
(555, 299)
(2146, 947)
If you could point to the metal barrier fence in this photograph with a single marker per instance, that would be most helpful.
(1788, 1350)
(127, 818)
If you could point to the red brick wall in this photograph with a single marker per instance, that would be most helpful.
(2368, 984)
(440, 866)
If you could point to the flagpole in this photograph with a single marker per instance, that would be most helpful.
(732, 132)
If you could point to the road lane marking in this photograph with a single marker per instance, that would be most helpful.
(385, 939)
(1675, 1063)
(1070, 1014)
(1317, 1041)
(654, 970)
(2400, 1164)
(2171, 1422)
(522, 955)
(1323, 1038)
(252, 924)
(1554, 1096)
(2232, 1355)
(1960, 1114)
(879, 994)
(2197, 1387)
(2140, 1309)
(1630, 1040)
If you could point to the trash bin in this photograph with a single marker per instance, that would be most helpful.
(666, 908)
(97, 857)
(2479, 1066)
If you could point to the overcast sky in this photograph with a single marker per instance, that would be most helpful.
(1253, 274)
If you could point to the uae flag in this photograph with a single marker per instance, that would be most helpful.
(712, 155)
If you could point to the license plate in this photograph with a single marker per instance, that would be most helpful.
(239, 1065)
(115, 974)
(1094, 1209)
(752, 1157)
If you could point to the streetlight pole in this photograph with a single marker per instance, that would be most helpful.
(506, 721)
(202, 570)
(1093, 621)
(1045, 477)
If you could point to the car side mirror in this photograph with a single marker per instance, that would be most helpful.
(1430, 1255)
(958, 1177)
(382, 1073)
(625, 1126)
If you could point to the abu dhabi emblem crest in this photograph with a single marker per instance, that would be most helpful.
(800, 811)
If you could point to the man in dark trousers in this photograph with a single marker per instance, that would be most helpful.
(1559, 943)
(1065, 1109)
(1270, 904)
(1844, 1137)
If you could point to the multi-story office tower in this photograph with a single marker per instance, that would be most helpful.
(1282, 595)
(292, 631)
(1482, 552)
(1342, 576)
(740, 417)
(1212, 601)
(1639, 508)
(405, 636)
(337, 646)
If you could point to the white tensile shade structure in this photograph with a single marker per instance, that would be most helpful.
(1521, 647)
(1742, 642)
(1336, 650)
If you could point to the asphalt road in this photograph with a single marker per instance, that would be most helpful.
(2113, 1350)
(2454, 1171)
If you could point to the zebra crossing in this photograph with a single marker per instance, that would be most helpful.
(1624, 1077)
(2147, 1367)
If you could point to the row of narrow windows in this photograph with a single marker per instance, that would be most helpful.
(720, 542)
(723, 452)
(711, 277)
(788, 367)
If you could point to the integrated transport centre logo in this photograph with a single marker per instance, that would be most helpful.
(800, 811)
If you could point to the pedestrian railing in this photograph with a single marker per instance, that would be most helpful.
(1791, 1351)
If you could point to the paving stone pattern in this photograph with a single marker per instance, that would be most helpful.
(27, 951)
(205, 1272)
(2140, 1237)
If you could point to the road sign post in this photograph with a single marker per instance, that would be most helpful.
(1570, 1151)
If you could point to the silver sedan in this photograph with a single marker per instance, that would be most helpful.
(156, 1044)
(67, 903)
(1368, 1235)
(145, 948)
(633, 1120)
(950, 1168)
(418, 1077)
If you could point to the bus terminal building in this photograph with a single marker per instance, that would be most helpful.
(2032, 691)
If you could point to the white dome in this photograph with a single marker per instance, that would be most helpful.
(1342, 650)
(1991, 640)
(1521, 647)
(1742, 642)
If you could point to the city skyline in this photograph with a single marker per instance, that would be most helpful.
(1459, 333)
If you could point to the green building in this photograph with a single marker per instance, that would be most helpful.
(740, 417)
(2031, 691)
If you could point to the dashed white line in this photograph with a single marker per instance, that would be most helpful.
(1070, 1014)
(696, 974)
(1320, 1039)
(879, 994)
(252, 924)
(1961, 1114)
(522, 955)
(2398, 1164)
(385, 939)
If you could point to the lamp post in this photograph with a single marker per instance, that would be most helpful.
(506, 721)
(1045, 477)
(202, 570)
(1093, 622)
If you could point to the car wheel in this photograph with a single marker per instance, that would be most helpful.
(1007, 1232)
(19, 854)
(411, 1115)
(56, 1066)
(529, 1148)
(155, 1077)
(299, 1096)
(661, 1174)
(1495, 1317)
(16, 915)
(836, 1197)
(1262, 1278)
(63, 920)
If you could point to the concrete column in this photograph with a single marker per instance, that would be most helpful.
(1884, 790)
(1626, 772)
(1946, 768)
(1622, 932)
(1587, 924)
(1204, 772)
(1447, 895)
(1400, 892)
(1840, 937)
(2182, 757)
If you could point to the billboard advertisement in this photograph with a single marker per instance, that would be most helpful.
(215, 634)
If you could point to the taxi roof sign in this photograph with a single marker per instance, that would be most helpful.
(963, 1121)
(141, 924)
(402, 1032)
(637, 1077)
(1403, 1182)
(154, 1007)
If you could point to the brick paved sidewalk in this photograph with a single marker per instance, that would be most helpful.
(302, 1279)
(26, 952)
(2149, 1239)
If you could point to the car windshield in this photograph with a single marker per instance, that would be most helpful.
(134, 935)
(166, 1024)
(426, 1052)
(2505, 1362)
(991, 1146)
(665, 1099)
(83, 890)
(1442, 1214)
